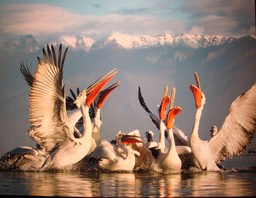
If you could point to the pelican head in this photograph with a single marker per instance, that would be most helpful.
(199, 96)
(81, 98)
(93, 90)
(149, 135)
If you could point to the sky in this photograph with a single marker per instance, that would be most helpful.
(99, 18)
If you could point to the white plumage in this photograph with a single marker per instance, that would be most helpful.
(235, 134)
(115, 157)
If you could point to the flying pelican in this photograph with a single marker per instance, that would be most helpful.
(116, 157)
(235, 134)
(169, 162)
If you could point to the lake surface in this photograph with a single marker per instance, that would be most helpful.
(234, 182)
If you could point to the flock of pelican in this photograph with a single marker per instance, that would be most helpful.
(67, 135)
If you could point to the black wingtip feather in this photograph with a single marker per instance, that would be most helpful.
(54, 55)
(63, 59)
(26, 74)
(49, 55)
(142, 102)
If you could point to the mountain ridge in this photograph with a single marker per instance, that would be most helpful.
(80, 42)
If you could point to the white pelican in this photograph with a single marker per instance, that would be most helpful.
(169, 162)
(235, 134)
(180, 137)
(116, 157)
(145, 159)
(23, 158)
(74, 114)
(94, 112)
(50, 127)
(27, 158)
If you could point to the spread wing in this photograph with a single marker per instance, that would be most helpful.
(47, 101)
(238, 128)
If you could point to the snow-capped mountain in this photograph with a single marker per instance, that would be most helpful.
(126, 41)
(76, 42)
(188, 40)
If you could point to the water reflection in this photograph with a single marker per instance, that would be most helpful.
(128, 184)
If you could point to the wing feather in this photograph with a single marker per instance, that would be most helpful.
(104, 150)
(153, 117)
(26, 74)
(48, 116)
(238, 128)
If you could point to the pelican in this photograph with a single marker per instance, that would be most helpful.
(73, 113)
(169, 162)
(23, 158)
(97, 111)
(49, 124)
(145, 158)
(94, 112)
(116, 157)
(50, 127)
(180, 137)
(235, 134)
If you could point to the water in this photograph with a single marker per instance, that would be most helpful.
(241, 183)
(238, 180)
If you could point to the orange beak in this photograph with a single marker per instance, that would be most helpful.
(164, 103)
(96, 89)
(130, 139)
(105, 93)
(171, 116)
(197, 95)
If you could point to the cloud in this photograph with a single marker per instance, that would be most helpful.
(223, 17)
(212, 24)
(43, 20)
(37, 19)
